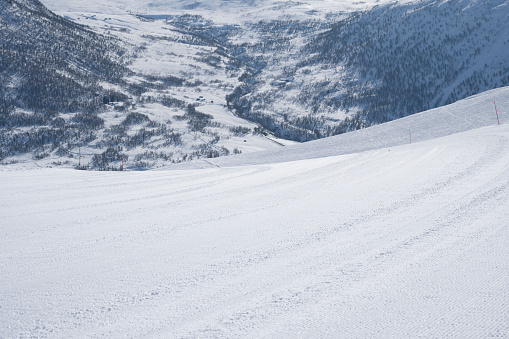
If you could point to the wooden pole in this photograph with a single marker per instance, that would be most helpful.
(496, 112)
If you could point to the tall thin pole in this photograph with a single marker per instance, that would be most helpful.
(122, 162)
(79, 158)
(496, 112)
(410, 132)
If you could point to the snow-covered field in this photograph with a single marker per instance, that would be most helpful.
(221, 11)
(391, 240)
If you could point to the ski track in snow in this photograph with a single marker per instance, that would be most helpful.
(400, 241)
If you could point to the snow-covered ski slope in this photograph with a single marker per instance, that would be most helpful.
(410, 240)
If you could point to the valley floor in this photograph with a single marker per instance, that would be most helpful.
(406, 241)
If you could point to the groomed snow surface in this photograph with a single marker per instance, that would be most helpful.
(403, 240)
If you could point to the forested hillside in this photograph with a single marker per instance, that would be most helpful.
(376, 66)
(75, 95)
(49, 66)
(166, 88)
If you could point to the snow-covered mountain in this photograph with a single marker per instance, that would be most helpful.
(68, 98)
(201, 79)
(379, 65)
(398, 241)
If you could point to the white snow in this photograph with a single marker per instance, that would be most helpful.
(221, 11)
(361, 235)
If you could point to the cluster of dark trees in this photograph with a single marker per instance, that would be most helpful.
(118, 134)
(199, 31)
(50, 64)
(197, 121)
(111, 154)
